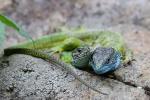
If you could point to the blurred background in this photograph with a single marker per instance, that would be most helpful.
(41, 17)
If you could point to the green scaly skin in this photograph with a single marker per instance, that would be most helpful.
(62, 41)
(45, 56)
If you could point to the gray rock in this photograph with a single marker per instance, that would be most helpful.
(137, 73)
(4, 4)
(25, 77)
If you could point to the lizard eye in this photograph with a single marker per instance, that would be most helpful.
(79, 50)
(108, 61)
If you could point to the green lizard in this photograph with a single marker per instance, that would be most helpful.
(63, 42)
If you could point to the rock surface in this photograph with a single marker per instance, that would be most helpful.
(25, 79)
(4, 4)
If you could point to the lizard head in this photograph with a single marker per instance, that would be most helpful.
(102, 55)
(81, 56)
(104, 60)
